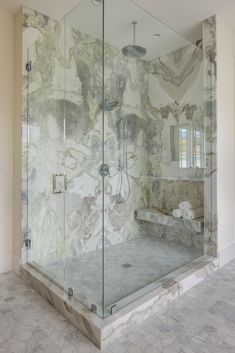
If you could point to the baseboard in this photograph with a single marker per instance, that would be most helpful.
(5, 263)
(226, 255)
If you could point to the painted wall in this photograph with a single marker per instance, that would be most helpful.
(6, 137)
(17, 130)
(226, 139)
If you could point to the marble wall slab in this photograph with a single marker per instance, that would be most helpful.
(166, 194)
(163, 92)
(176, 97)
(151, 97)
(65, 125)
(210, 121)
(175, 92)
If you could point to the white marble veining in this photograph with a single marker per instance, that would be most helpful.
(151, 98)
(129, 267)
(58, 235)
(155, 216)
(104, 331)
(201, 320)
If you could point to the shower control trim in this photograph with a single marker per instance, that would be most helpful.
(104, 170)
(59, 183)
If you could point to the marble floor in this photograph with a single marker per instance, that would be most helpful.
(200, 321)
(129, 267)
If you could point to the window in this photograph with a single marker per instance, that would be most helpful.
(188, 146)
(198, 148)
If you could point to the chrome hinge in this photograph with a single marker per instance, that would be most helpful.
(28, 243)
(28, 66)
(94, 308)
(114, 309)
(70, 293)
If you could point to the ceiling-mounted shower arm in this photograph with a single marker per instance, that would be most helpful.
(133, 50)
(134, 23)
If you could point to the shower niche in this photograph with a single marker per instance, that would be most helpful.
(117, 139)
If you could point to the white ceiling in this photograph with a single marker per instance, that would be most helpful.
(119, 15)
(184, 16)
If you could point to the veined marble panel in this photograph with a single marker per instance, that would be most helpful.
(150, 98)
(167, 194)
(65, 126)
(210, 121)
(155, 216)
(175, 91)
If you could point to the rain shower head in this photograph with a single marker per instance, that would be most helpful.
(132, 50)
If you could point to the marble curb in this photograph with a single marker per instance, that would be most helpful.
(103, 331)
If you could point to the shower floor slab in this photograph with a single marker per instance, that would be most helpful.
(128, 267)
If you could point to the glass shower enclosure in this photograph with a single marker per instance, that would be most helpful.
(116, 141)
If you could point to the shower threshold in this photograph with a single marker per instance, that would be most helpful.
(103, 331)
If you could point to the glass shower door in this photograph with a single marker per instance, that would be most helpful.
(83, 154)
(153, 80)
(46, 180)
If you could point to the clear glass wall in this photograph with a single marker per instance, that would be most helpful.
(154, 147)
(46, 150)
(116, 142)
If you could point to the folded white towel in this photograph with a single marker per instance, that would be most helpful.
(177, 213)
(193, 214)
(190, 204)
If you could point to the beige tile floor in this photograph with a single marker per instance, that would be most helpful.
(200, 321)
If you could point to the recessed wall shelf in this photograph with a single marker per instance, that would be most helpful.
(155, 216)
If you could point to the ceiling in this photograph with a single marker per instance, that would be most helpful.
(119, 15)
(184, 16)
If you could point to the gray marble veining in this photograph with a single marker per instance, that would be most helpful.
(104, 331)
(149, 257)
(168, 92)
(202, 320)
(155, 216)
(175, 79)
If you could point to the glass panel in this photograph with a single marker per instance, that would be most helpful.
(115, 145)
(83, 153)
(46, 170)
(153, 120)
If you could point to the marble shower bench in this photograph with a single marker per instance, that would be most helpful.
(155, 216)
